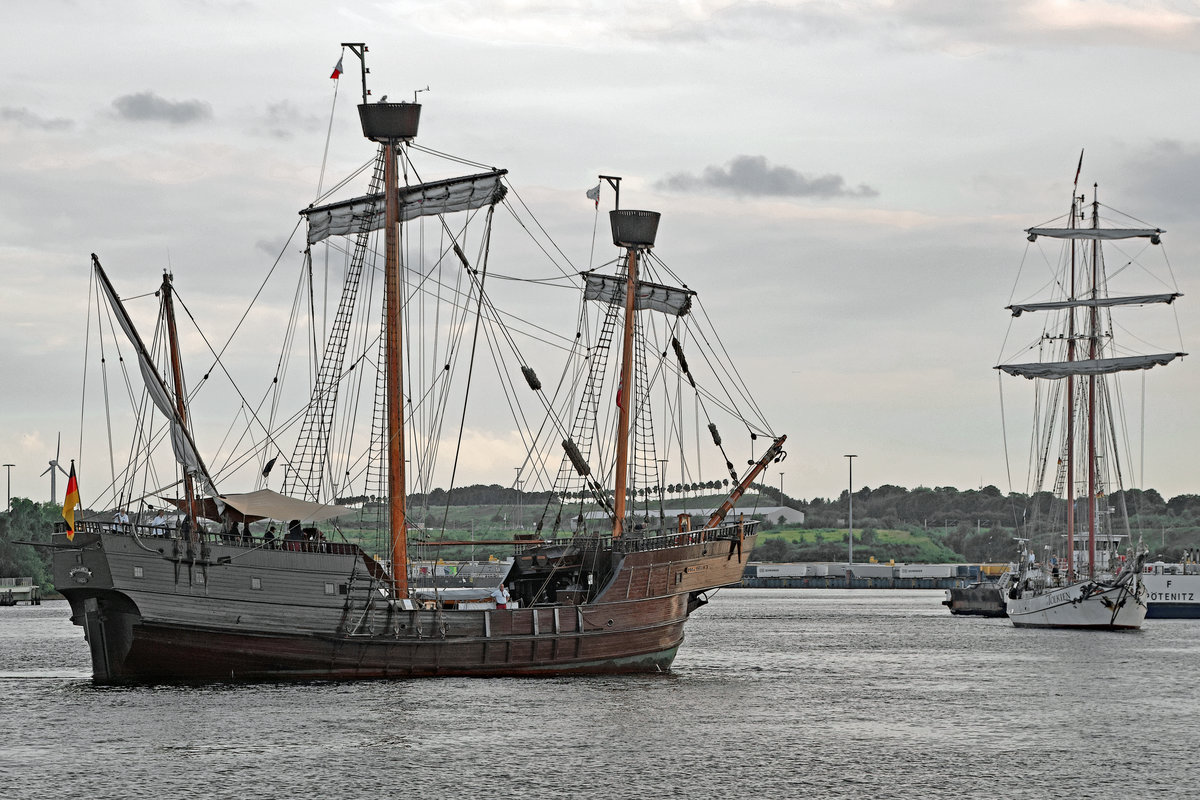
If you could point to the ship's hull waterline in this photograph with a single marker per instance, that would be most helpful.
(152, 611)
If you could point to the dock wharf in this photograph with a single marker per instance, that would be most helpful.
(19, 590)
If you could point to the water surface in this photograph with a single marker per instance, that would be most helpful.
(776, 693)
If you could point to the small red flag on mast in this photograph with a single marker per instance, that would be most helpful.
(337, 71)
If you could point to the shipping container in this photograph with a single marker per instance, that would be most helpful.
(926, 571)
(872, 570)
(782, 570)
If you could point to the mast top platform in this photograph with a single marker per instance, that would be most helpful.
(383, 122)
(634, 229)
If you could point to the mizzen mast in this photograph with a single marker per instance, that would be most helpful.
(391, 124)
(635, 231)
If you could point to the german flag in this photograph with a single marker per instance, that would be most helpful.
(69, 503)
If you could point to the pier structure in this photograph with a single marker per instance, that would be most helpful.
(19, 590)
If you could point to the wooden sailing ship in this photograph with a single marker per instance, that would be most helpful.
(1078, 584)
(185, 602)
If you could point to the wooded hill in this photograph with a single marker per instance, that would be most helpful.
(919, 525)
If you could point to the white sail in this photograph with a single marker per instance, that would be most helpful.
(1095, 302)
(1053, 370)
(650, 296)
(1096, 233)
(420, 200)
(184, 448)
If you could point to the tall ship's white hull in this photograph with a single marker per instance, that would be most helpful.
(1081, 605)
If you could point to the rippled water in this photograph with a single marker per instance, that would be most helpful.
(776, 693)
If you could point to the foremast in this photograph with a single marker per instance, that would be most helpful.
(168, 305)
(173, 408)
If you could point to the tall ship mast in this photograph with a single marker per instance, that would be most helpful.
(220, 576)
(1080, 461)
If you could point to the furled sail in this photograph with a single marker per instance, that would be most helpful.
(184, 448)
(419, 200)
(1096, 233)
(1054, 370)
(651, 296)
(1095, 302)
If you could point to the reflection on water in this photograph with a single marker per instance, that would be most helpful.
(775, 693)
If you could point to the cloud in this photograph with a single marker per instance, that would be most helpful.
(25, 117)
(752, 175)
(284, 119)
(1164, 173)
(147, 106)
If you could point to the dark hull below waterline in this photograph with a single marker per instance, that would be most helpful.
(976, 601)
(149, 615)
(158, 653)
(1172, 610)
(1079, 627)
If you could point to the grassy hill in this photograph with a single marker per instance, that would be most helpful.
(829, 544)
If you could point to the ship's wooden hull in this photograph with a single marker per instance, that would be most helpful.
(152, 611)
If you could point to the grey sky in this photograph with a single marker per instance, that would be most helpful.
(846, 183)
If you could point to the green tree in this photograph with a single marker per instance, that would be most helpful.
(30, 522)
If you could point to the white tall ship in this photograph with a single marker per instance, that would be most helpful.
(1085, 572)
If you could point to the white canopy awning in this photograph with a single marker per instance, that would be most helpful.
(266, 504)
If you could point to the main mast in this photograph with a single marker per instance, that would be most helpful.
(390, 124)
(1093, 335)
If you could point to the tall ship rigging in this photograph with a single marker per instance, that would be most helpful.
(603, 583)
(1080, 566)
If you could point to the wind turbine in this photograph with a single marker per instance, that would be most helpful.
(54, 465)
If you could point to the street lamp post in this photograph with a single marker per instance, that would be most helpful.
(850, 497)
(662, 490)
(8, 468)
(517, 484)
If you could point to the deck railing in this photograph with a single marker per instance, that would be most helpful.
(143, 531)
(660, 538)
(632, 542)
